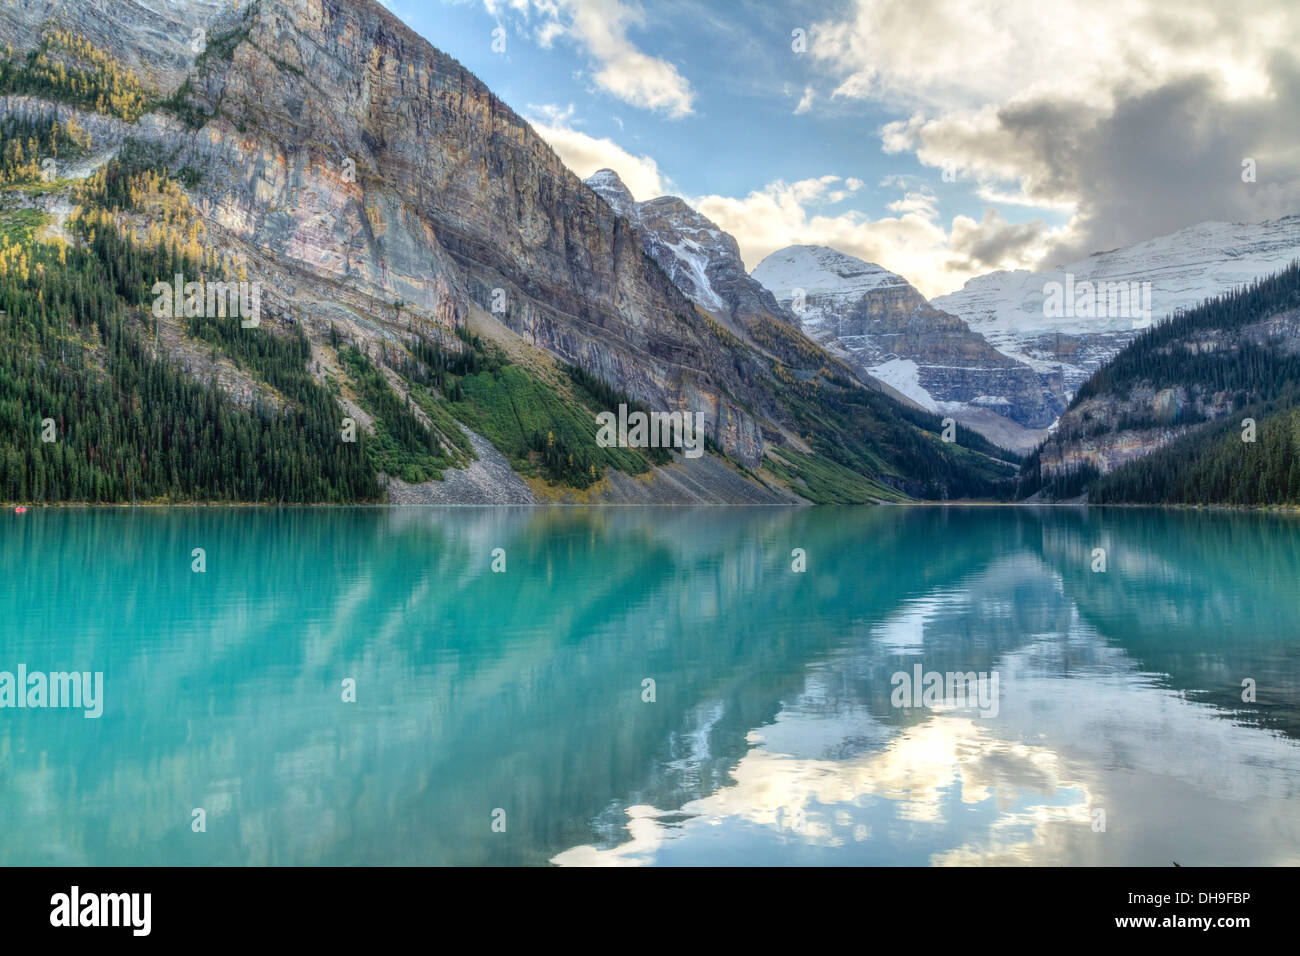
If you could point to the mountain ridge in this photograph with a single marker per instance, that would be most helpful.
(1184, 268)
(384, 198)
(879, 321)
(1202, 405)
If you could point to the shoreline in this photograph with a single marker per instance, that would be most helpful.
(277, 506)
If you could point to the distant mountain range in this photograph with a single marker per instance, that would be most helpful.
(885, 326)
(1184, 269)
(429, 271)
(1203, 408)
(995, 356)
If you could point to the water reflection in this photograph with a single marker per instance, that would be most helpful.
(772, 738)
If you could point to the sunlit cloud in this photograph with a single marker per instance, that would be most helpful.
(600, 29)
(585, 154)
(912, 243)
(1131, 117)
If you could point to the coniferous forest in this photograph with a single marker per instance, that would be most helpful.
(1224, 461)
(89, 413)
(92, 411)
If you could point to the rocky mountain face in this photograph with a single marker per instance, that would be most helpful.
(699, 257)
(1121, 423)
(159, 40)
(1230, 360)
(456, 203)
(1012, 309)
(381, 193)
(704, 262)
(1105, 432)
(879, 320)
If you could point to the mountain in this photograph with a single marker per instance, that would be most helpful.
(704, 262)
(1203, 408)
(427, 267)
(879, 321)
(701, 259)
(1184, 268)
(155, 41)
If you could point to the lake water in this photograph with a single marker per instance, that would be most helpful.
(1118, 733)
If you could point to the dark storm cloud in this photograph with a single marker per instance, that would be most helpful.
(1164, 159)
(992, 244)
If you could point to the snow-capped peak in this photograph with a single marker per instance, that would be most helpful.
(1184, 268)
(824, 278)
(1026, 314)
(820, 270)
(686, 245)
(610, 187)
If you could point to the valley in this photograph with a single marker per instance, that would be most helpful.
(374, 220)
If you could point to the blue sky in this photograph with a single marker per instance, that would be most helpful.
(846, 141)
(747, 82)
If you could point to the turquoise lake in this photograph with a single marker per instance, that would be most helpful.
(1119, 734)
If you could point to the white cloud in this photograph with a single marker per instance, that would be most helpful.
(584, 154)
(552, 114)
(923, 202)
(912, 243)
(497, 7)
(624, 71)
(620, 68)
(1126, 114)
(951, 56)
(806, 102)
(547, 33)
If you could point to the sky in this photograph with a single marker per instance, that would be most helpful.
(941, 139)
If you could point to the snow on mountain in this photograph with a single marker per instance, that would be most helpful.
(877, 318)
(904, 375)
(607, 183)
(699, 257)
(1012, 309)
(825, 280)
(687, 260)
(704, 262)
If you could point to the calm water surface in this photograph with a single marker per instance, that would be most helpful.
(772, 738)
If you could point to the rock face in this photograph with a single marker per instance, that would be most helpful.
(878, 319)
(1183, 268)
(158, 39)
(341, 147)
(376, 188)
(455, 200)
(705, 263)
(1134, 417)
(1093, 435)
(702, 260)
